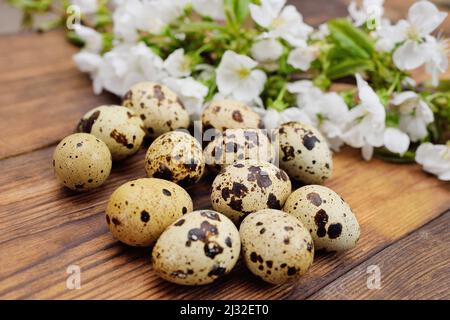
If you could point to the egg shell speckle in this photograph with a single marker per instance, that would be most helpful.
(159, 108)
(197, 249)
(304, 153)
(230, 114)
(140, 210)
(82, 162)
(238, 144)
(248, 186)
(276, 246)
(119, 127)
(177, 157)
(326, 215)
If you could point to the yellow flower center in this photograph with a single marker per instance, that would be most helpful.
(413, 34)
(243, 73)
(277, 22)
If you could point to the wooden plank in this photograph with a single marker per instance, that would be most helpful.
(45, 228)
(416, 267)
(42, 94)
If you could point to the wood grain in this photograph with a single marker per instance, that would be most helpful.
(44, 228)
(415, 267)
(42, 95)
(51, 228)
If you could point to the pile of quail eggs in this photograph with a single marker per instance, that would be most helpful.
(279, 230)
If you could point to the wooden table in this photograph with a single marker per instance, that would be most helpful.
(45, 228)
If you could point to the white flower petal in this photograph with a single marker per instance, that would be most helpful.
(409, 56)
(435, 159)
(267, 50)
(177, 64)
(396, 141)
(400, 98)
(425, 16)
(367, 152)
(210, 8)
(301, 58)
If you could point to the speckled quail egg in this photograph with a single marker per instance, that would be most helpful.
(82, 162)
(140, 210)
(276, 246)
(304, 153)
(238, 144)
(158, 106)
(230, 114)
(326, 215)
(197, 249)
(175, 156)
(118, 127)
(248, 186)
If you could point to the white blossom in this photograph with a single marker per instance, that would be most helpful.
(436, 61)
(177, 64)
(191, 92)
(423, 18)
(151, 16)
(122, 67)
(367, 121)
(267, 50)
(415, 114)
(396, 140)
(210, 8)
(86, 6)
(369, 11)
(90, 63)
(435, 159)
(93, 41)
(321, 33)
(236, 76)
(301, 58)
(273, 119)
(281, 21)
(327, 111)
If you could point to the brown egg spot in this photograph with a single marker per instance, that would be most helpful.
(314, 198)
(321, 219)
(85, 125)
(216, 271)
(261, 177)
(334, 230)
(309, 141)
(121, 139)
(145, 216)
(237, 116)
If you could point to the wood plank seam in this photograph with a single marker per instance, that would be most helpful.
(375, 253)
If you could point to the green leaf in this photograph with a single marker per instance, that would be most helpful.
(356, 40)
(349, 67)
(241, 10)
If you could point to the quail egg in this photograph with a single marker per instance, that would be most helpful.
(326, 215)
(238, 144)
(276, 246)
(118, 127)
(82, 162)
(230, 114)
(304, 153)
(197, 249)
(159, 108)
(140, 210)
(248, 186)
(175, 156)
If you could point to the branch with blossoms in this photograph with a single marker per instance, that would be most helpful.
(264, 54)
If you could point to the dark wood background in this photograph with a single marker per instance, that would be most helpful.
(44, 228)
